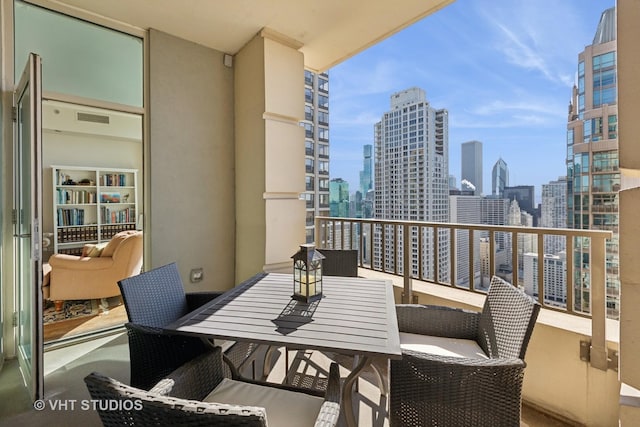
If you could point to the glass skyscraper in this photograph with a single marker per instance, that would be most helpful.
(593, 174)
(499, 178)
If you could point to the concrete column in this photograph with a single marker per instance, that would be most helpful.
(269, 144)
(628, 15)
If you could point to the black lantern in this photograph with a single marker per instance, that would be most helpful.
(307, 274)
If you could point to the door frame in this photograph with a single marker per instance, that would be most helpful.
(33, 368)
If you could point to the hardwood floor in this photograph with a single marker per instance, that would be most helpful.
(68, 328)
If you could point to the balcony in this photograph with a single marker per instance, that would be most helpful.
(571, 376)
(572, 360)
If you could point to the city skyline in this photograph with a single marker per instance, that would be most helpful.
(506, 81)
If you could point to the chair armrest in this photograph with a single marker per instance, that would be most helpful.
(330, 409)
(198, 299)
(195, 379)
(437, 321)
(154, 353)
(152, 409)
(72, 262)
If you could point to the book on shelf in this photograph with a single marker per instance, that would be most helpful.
(114, 180)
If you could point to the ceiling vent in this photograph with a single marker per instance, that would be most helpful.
(93, 118)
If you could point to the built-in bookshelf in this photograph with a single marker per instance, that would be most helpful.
(91, 205)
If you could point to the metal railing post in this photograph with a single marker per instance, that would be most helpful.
(407, 297)
(597, 266)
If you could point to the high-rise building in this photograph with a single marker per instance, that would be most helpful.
(499, 178)
(554, 277)
(471, 166)
(525, 196)
(339, 198)
(366, 183)
(466, 210)
(592, 159)
(366, 174)
(412, 170)
(316, 125)
(494, 211)
(554, 213)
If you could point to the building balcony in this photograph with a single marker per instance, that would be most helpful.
(572, 360)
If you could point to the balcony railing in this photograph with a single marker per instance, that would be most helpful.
(381, 247)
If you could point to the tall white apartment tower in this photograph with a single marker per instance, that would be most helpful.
(471, 165)
(316, 125)
(554, 213)
(466, 210)
(411, 145)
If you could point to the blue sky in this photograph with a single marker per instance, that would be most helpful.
(503, 69)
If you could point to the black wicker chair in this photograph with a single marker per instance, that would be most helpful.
(186, 397)
(437, 384)
(340, 262)
(154, 299)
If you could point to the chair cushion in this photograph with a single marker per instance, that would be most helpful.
(284, 408)
(115, 241)
(94, 250)
(442, 346)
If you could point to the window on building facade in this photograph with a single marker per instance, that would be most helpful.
(323, 85)
(308, 147)
(308, 112)
(308, 78)
(323, 134)
(323, 102)
(308, 130)
(323, 167)
(613, 126)
(604, 79)
(323, 150)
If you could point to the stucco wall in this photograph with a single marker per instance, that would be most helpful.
(191, 209)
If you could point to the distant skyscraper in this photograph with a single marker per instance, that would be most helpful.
(366, 182)
(412, 169)
(592, 159)
(525, 196)
(554, 277)
(339, 198)
(466, 210)
(499, 178)
(366, 178)
(494, 211)
(554, 213)
(316, 125)
(471, 166)
(452, 182)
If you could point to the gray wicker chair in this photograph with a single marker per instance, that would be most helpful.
(177, 400)
(154, 299)
(442, 388)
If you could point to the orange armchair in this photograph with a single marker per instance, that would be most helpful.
(82, 277)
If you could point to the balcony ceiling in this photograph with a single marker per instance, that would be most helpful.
(328, 31)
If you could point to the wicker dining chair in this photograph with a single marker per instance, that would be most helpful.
(340, 262)
(462, 368)
(198, 394)
(154, 299)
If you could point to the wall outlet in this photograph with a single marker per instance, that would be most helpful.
(196, 275)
